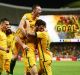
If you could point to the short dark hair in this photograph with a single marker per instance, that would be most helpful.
(34, 6)
(40, 22)
(3, 19)
(8, 32)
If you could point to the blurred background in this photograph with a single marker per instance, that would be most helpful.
(62, 18)
(16, 8)
(63, 25)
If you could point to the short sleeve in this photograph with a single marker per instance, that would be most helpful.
(24, 17)
(40, 35)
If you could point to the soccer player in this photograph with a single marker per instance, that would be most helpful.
(27, 24)
(4, 24)
(10, 39)
(15, 49)
(31, 17)
(45, 56)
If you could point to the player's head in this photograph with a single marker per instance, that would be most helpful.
(40, 25)
(36, 9)
(8, 32)
(4, 23)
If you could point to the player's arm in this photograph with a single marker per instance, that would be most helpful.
(1, 48)
(39, 35)
(18, 40)
(32, 33)
(21, 26)
(7, 49)
(24, 23)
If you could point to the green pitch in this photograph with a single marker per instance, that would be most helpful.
(58, 68)
(66, 68)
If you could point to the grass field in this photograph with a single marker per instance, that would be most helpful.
(58, 68)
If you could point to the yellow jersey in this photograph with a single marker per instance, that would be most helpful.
(30, 39)
(9, 45)
(10, 39)
(29, 17)
(43, 44)
(3, 42)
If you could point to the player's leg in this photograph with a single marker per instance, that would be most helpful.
(30, 63)
(1, 63)
(32, 60)
(41, 68)
(45, 67)
(7, 66)
(48, 67)
(12, 65)
(26, 69)
(13, 60)
(33, 70)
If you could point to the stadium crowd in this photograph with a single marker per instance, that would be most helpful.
(66, 49)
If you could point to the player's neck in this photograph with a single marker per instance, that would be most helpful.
(34, 16)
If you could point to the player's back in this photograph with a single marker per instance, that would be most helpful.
(43, 45)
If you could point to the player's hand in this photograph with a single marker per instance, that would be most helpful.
(25, 46)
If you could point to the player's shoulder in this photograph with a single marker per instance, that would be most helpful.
(27, 14)
(1, 33)
(44, 32)
(11, 35)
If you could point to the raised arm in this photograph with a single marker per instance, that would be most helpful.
(24, 25)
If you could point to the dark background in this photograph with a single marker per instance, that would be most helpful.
(45, 3)
(14, 13)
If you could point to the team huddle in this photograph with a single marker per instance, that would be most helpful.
(32, 39)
